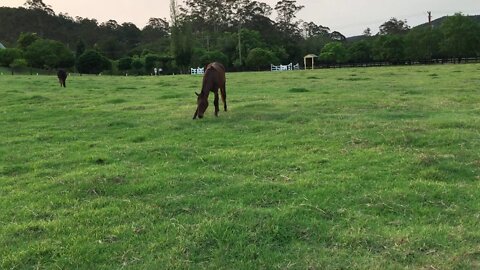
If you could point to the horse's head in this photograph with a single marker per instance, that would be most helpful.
(202, 105)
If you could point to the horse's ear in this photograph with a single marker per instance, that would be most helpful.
(197, 94)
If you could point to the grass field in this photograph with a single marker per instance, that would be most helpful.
(374, 168)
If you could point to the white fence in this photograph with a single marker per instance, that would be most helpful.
(285, 67)
(197, 71)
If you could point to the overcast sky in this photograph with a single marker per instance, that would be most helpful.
(350, 17)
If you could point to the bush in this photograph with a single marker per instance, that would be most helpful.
(258, 58)
(334, 52)
(213, 56)
(125, 63)
(151, 61)
(44, 53)
(7, 56)
(137, 65)
(92, 62)
(18, 64)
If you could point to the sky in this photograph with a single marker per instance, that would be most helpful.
(349, 17)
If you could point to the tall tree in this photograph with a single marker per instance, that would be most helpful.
(394, 27)
(286, 14)
(389, 48)
(174, 12)
(48, 54)
(461, 36)
(79, 48)
(423, 43)
(182, 47)
(156, 30)
(39, 5)
(311, 30)
(334, 52)
(26, 39)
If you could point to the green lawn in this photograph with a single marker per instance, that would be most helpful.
(374, 168)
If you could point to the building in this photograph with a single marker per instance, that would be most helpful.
(1, 46)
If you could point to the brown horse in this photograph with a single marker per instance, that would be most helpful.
(213, 79)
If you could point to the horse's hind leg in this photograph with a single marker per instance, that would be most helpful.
(215, 102)
(223, 92)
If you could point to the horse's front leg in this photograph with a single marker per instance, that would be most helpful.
(215, 102)
(195, 115)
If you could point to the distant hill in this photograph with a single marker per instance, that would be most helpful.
(439, 21)
(436, 23)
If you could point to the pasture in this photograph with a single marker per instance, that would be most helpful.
(374, 168)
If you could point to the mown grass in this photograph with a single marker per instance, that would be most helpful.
(373, 168)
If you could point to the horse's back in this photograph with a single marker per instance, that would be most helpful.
(217, 66)
(217, 71)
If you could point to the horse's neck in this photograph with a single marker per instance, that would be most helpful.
(207, 86)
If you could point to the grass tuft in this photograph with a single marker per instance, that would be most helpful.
(298, 90)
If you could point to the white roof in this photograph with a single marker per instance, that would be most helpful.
(1, 46)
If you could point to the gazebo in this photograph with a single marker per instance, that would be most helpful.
(310, 59)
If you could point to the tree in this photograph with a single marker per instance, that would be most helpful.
(26, 39)
(213, 56)
(92, 62)
(39, 5)
(258, 58)
(211, 15)
(247, 10)
(80, 48)
(390, 48)
(423, 43)
(394, 27)
(182, 47)
(286, 13)
(137, 65)
(334, 52)
(312, 30)
(360, 52)
(7, 56)
(461, 36)
(156, 29)
(44, 53)
(130, 35)
(151, 61)
(112, 48)
(17, 64)
(125, 63)
(174, 12)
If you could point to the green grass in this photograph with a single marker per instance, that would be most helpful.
(26, 71)
(373, 168)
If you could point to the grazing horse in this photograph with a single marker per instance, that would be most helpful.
(213, 79)
(62, 77)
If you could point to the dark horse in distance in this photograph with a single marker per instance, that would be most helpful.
(62, 77)
(213, 79)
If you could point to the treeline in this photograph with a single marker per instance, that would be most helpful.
(239, 33)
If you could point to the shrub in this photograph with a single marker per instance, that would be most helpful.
(92, 62)
(258, 58)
